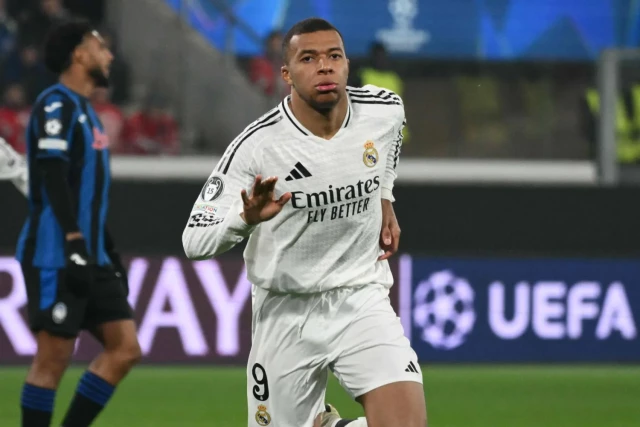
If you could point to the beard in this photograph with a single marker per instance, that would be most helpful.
(99, 78)
(323, 106)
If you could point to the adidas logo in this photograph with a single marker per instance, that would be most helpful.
(298, 172)
(411, 368)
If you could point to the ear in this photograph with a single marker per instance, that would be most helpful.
(78, 55)
(286, 76)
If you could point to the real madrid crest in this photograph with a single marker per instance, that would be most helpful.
(370, 156)
(262, 416)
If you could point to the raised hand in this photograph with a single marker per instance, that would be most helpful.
(261, 205)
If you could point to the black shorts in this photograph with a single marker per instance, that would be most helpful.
(55, 309)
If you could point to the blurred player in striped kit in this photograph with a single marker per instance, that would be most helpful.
(75, 280)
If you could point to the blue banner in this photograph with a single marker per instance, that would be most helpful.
(460, 29)
(534, 310)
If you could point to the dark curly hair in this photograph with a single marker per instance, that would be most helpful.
(61, 41)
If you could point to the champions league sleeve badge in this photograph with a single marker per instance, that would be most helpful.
(370, 156)
(212, 189)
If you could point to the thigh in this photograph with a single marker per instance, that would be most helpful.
(116, 335)
(51, 306)
(286, 377)
(395, 404)
(108, 302)
(53, 349)
(373, 351)
(51, 359)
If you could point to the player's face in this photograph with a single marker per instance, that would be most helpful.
(317, 68)
(97, 59)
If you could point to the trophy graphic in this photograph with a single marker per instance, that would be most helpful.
(403, 37)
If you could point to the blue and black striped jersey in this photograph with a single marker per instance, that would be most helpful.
(64, 126)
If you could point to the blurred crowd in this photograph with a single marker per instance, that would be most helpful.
(476, 109)
(137, 128)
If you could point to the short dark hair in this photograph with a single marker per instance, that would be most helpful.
(306, 26)
(61, 41)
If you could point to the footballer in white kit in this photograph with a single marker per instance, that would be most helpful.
(314, 252)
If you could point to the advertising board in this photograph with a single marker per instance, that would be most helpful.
(186, 312)
(452, 309)
(525, 310)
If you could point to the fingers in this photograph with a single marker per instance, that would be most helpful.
(265, 187)
(284, 199)
(395, 233)
(259, 188)
(385, 243)
(386, 235)
(254, 190)
(389, 241)
(269, 184)
(257, 184)
(262, 195)
(386, 255)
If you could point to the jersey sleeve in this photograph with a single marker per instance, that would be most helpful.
(53, 123)
(13, 167)
(393, 155)
(215, 224)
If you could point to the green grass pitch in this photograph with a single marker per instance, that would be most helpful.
(457, 396)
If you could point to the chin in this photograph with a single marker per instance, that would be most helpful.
(325, 101)
(100, 79)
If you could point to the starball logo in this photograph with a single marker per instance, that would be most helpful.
(445, 311)
(346, 201)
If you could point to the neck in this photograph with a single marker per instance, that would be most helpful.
(78, 83)
(324, 124)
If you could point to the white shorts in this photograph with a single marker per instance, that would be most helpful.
(297, 338)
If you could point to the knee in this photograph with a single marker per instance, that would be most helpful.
(47, 370)
(132, 354)
(127, 356)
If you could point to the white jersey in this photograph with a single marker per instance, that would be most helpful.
(13, 167)
(328, 235)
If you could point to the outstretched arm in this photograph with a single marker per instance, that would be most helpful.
(232, 203)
